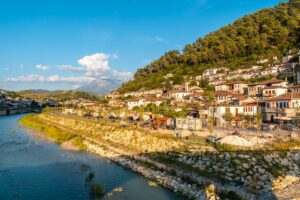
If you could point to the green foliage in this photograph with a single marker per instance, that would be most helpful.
(97, 190)
(79, 142)
(56, 134)
(71, 95)
(228, 117)
(263, 34)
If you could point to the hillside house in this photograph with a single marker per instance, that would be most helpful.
(135, 102)
(189, 123)
(178, 94)
(257, 88)
(281, 108)
(272, 91)
(221, 110)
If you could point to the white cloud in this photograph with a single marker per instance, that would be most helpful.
(123, 76)
(92, 67)
(159, 39)
(51, 79)
(6, 69)
(76, 86)
(154, 39)
(21, 66)
(29, 78)
(95, 64)
(42, 67)
(71, 68)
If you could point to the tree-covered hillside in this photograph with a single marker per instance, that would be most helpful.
(263, 34)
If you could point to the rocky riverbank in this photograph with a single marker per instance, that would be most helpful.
(196, 171)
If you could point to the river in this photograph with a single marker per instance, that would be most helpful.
(35, 169)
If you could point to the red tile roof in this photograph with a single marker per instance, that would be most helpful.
(287, 96)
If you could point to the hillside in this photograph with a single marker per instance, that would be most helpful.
(58, 95)
(263, 34)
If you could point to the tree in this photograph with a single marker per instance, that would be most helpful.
(258, 122)
(211, 122)
(168, 85)
(228, 118)
(262, 34)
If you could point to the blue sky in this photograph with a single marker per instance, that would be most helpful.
(62, 44)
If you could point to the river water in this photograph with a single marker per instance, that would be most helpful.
(33, 169)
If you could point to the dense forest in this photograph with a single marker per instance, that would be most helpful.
(263, 34)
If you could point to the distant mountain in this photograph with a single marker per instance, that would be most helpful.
(101, 86)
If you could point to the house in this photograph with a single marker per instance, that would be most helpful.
(281, 108)
(235, 86)
(214, 71)
(221, 87)
(257, 88)
(250, 108)
(69, 111)
(239, 87)
(270, 71)
(178, 94)
(226, 96)
(155, 101)
(216, 81)
(189, 123)
(286, 59)
(195, 89)
(262, 61)
(221, 110)
(135, 102)
(295, 88)
(153, 92)
(162, 122)
(271, 91)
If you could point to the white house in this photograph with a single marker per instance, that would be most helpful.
(221, 110)
(192, 124)
(272, 91)
(136, 102)
(178, 94)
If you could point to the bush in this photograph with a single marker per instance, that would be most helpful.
(56, 134)
(97, 190)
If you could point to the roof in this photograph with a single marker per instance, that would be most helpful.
(154, 99)
(133, 100)
(178, 91)
(227, 93)
(272, 81)
(222, 93)
(287, 96)
(274, 87)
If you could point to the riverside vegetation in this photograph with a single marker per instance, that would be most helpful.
(191, 167)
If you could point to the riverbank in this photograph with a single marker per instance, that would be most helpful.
(30, 161)
(180, 165)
